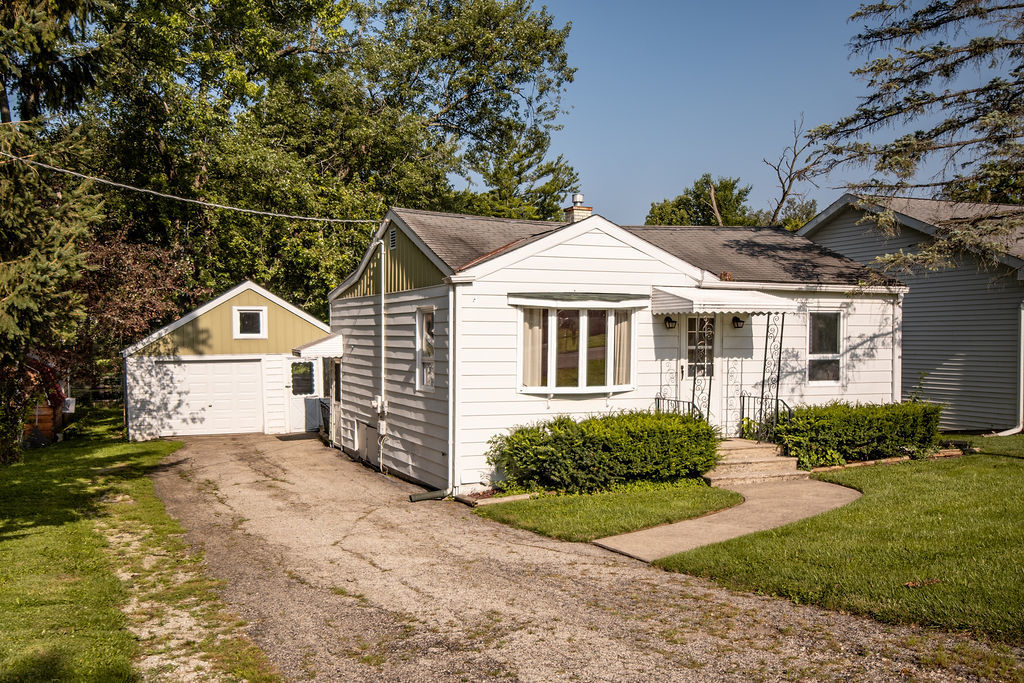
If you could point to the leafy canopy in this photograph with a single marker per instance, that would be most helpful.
(694, 206)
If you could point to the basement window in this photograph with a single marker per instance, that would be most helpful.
(249, 322)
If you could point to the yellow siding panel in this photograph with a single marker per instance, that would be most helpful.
(212, 333)
(405, 268)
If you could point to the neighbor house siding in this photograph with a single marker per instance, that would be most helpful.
(406, 267)
(488, 400)
(960, 328)
(212, 332)
(417, 421)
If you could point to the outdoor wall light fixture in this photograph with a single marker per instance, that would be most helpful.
(737, 322)
(670, 324)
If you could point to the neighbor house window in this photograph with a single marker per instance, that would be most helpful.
(823, 348)
(425, 349)
(249, 322)
(576, 350)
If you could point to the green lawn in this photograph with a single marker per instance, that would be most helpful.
(938, 543)
(60, 600)
(996, 445)
(586, 517)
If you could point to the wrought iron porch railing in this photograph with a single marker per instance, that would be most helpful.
(672, 405)
(765, 414)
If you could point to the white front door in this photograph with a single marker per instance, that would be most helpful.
(697, 382)
(303, 403)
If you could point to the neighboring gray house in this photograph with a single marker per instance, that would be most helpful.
(962, 327)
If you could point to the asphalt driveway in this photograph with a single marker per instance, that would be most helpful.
(342, 578)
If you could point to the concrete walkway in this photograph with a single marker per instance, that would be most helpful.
(766, 506)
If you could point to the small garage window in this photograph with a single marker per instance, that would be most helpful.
(249, 322)
(302, 379)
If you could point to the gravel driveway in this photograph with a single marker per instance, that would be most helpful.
(341, 578)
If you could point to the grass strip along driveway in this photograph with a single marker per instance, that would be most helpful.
(94, 575)
(588, 516)
(937, 543)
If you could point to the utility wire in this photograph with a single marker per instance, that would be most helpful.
(162, 195)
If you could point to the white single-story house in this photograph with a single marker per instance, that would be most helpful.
(963, 326)
(455, 328)
(225, 368)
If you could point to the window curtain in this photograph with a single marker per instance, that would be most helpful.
(623, 347)
(534, 349)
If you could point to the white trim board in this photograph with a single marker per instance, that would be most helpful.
(248, 285)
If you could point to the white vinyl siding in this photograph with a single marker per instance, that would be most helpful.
(417, 421)
(488, 399)
(960, 328)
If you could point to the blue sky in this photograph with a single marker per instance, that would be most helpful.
(665, 91)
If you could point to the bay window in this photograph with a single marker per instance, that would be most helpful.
(576, 350)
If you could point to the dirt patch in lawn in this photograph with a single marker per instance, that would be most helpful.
(341, 578)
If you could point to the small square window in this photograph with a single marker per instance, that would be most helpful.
(250, 322)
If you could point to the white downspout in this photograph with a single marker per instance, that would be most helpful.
(451, 388)
(1020, 379)
(382, 407)
(897, 348)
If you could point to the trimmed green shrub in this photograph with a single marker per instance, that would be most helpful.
(837, 433)
(598, 453)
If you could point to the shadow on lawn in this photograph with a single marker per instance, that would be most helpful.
(57, 484)
(54, 664)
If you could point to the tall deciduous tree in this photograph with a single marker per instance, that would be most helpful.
(698, 206)
(948, 78)
(43, 223)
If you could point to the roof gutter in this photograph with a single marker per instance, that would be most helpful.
(1020, 380)
(803, 287)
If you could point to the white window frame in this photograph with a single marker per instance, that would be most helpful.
(235, 319)
(841, 331)
(420, 359)
(552, 321)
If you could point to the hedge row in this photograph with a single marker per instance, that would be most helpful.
(837, 433)
(599, 452)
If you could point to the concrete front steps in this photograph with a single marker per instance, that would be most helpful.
(751, 462)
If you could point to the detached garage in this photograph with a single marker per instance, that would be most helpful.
(225, 368)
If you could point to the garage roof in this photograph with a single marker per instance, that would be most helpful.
(248, 285)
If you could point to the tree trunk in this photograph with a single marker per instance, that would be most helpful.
(714, 205)
(5, 104)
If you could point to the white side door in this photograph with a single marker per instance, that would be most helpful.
(303, 401)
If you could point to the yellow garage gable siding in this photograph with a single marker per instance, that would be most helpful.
(212, 333)
(405, 268)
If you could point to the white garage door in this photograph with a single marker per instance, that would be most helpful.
(211, 397)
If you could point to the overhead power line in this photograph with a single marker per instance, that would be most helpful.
(162, 195)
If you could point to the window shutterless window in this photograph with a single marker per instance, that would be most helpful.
(824, 360)
(573, 350)
(425, 349)
(249, 322)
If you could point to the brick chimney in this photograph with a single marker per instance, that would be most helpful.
(577, 211)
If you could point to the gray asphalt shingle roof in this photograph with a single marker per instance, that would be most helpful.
(938, 212)
(751, 254)
(461, 240)
(748, 254)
